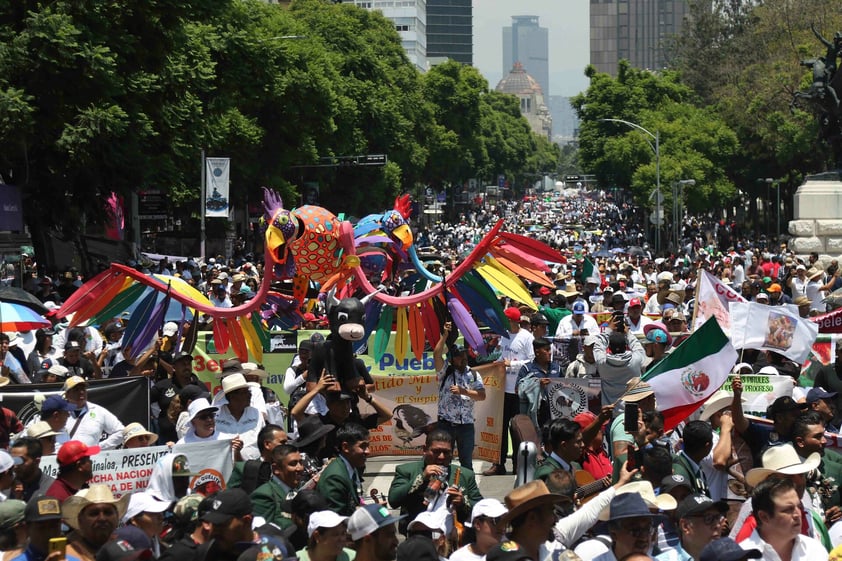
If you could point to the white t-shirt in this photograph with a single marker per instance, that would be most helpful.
(464, 553)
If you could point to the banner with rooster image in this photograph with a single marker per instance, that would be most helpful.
(413, 400)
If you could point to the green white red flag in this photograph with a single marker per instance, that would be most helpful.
(685, 378)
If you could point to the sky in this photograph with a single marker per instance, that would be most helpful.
(568, 30)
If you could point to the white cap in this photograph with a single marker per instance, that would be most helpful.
(7, 462)
(197, 406)
(589, 340)
(761, 296)
(491, 508)
(170, 329)
(368, 519)
(770, 370)
(432, 520)
(58, 370)
(144, 502)
(324, 519)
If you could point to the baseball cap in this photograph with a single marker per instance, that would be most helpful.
(539, 319)
(324, 519)
(74, 450)
(56, 403)
(774, 287)
(72, 382)
(72, 346)
(783, 404)
(634, 302)
(121, 550)
(181, 355)
(512, 313)
(490, 508)
(674, 481)
(578, 308)
(696, 503)
(170, 329)
(144, 502)
(589, 341)
(816, 393)
(7, 462)
(11, 513)
(116, 327)
(226, 505)
(726, 549)
(57, 370)
(762, 296)
(369, 519)
(42, 508)
(544, 291)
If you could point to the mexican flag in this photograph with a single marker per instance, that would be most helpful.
(587, 270)
(685, 378)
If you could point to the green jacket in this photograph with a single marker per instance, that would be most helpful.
(549, 465)
(408, 486)
(681, 466)
(336, 486)
(268, 501)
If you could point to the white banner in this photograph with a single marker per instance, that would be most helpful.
(772, 328)
(760, 390)
(126, 471)
(217, 203)
(713, 300)
(569, 396)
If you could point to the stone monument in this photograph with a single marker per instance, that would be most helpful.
(818, 201)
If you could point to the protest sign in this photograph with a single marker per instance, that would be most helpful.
(713, 299)
(772, 328)
(127, 471)
(569, 396)
(760, 390)
(413, 401)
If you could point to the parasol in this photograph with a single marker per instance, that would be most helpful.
(17, 317)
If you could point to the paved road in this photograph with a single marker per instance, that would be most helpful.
(381, 470)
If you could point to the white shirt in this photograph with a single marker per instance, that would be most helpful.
(569, 529)
(517, 348)
(464, 553)
(566, 326)
(641, 322)
(96, 421)
(248, 426)
(804, 548)
(717, 479)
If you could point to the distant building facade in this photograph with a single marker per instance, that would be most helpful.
(635, 30)
(565, 121)
(526, 42)
(450, 30)
(531, 97)
(410, 19)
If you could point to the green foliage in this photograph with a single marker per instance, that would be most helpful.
(694, 143)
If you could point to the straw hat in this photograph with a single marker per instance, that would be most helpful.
(636, 390)
(526, 497)
(782, 459)
(717, 402)
(95, 494)
(568, 290)
(136, 429)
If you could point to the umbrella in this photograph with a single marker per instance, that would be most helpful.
(617, 250)
(636, 251)
(602, 253)
(14, 295)
(17, 317)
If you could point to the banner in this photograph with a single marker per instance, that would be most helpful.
(11, 209)
(760, 390)
(830, 322)
(569, 396)
(713, 300)
(127, 471)
(772, 328)
(127, 398)
(216, 184)
(115, 217)
(414, 400)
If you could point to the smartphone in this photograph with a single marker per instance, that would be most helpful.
(57, 544)
(631, 416)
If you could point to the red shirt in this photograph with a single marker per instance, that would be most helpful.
(61, 490)
(596, 463)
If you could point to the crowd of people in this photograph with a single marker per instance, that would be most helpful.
(721, 486)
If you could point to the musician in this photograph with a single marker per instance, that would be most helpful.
(563, 441)
(411, 488)
(270, 498)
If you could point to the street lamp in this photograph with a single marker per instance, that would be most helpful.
(657, 149)
(678, 207)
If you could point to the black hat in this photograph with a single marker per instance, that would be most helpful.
(629, 505)
(121, 550)
(269, 548)
(42, 508)
(226, 505)
(305, 345)
(539, 319)
(674, 481)
(783, 404)
(181, 355)
(726, 549)
(457, 349)
(310, 430)
(540, 343)
(332, 396)
(697, 503)
(115, 327)
(191, 392)
(417, 548)
(507, 551)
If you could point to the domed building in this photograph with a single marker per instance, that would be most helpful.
(527, 89)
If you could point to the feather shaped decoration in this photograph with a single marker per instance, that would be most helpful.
(467, 326)
(384, 331)
(401, 335)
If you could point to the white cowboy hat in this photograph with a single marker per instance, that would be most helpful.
(95, 494)
(234, 382)
(647, 492)
(782, 459)
(717, 402)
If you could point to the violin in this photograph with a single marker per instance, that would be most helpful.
(458, 527)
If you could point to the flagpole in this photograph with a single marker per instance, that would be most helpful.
(203, 201)
(699, 274)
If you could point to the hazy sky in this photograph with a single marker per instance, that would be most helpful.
(568, 29)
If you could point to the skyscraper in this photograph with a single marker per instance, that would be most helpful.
(450, 30)
(527, 43)
(410, 19)
(635, 30)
